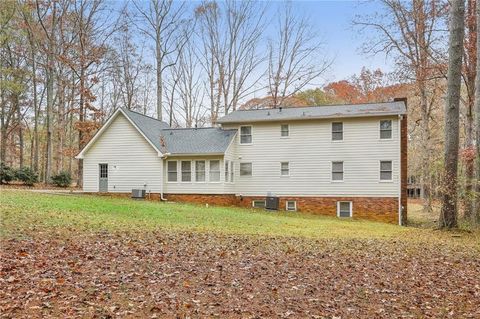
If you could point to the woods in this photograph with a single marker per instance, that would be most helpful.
(66, 65)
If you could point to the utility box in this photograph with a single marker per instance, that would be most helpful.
(138, 193)
(271, 203)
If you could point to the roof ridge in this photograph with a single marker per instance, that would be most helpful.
(310, 106)
(196, 128)
(144, 115)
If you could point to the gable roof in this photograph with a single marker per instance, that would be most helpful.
(190, 141)
(315, 112)
(202, 141)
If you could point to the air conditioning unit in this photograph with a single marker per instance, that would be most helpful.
(271, 203)
(138, 193)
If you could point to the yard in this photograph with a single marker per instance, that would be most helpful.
(87, 256)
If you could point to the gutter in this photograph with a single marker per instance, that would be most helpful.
(163, 157)
(400, 118)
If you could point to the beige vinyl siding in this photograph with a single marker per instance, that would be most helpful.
(132, 161)
(194, 187)
(310, 151)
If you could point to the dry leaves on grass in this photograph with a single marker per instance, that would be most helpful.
(155, 275)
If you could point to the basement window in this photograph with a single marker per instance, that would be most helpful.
(172, 171)
(344, 209)
(258, 204)
(186, 171)
(291, 205)
(385, 129)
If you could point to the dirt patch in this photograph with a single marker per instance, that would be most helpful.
(155, 275)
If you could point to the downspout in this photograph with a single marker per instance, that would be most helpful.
(163, 157)
(400, 118)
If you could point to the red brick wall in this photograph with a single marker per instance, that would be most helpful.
(214, 199)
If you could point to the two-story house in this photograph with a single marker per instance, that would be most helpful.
(338, 160)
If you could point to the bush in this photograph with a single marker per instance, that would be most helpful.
(63, 179)
(6, 174)
(26, 175)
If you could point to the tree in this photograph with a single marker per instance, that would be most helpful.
(294, 57)
(477, 116)
(448, 215)
(411, 32)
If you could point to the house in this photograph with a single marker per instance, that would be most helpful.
(338, 160)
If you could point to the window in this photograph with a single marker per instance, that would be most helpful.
(103, 170)
(337, 131)
(284, 169)
(385, 170)
(245, 134)
(337, 171)
(344, 209)
(284, 130)
(186, 171)
(214, 171)
(232, 171)
(385, 129)
(172, 171)
(226, 171)
(258, 204)
(245, 169)
(291, 205)
(199, 171)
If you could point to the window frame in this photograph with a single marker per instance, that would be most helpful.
(168, 172)
(232, 171)
(282, 169)
(380, 130)
(332, 172)
(294, 205)
(282, 131)
(210, 171)
(380, 171)
(226, 171)
(351, 208)
(259, 200)
(204, 171)
(251, 169)
(241, 135)
(333, 132)
(181, 172)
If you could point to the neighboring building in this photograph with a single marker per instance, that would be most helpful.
(339, 160)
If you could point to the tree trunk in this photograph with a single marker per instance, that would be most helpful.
(35, 111)
(81, 119)
(477, 117)
(20, 130)
(159, 77)
(448, 216)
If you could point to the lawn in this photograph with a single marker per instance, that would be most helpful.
(89, 256)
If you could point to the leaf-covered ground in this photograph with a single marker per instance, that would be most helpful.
(73, 269)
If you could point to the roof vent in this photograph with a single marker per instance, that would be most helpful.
(279, 109)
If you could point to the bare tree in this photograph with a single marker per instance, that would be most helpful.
(448, 216)
(294, 57)
(477, 117)
(411, 32)
(164, 19)
(230, 34)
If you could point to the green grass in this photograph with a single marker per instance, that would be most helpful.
(23, 211)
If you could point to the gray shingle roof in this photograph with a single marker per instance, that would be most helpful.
(315, 112)
(182, 141)
(209, 140)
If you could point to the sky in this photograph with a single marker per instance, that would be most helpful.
(333, 20)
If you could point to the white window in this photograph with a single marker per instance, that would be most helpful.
(214, 172)
(186, 171)
(200, 171)
(245, 134)
(227, 174)
(245, 169)
(291, 205)
(284, 169)
(232, 171)
(337, 171)
(386, 129)
(337, 131)
(284, 130)
(344, 209)
(172, 171)
(258, 204)
(385, 170)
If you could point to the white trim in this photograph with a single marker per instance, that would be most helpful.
(169, 181)
(97, 135)
(338, 208)
(191, 172)
(294, 205)
(259, 200)
(204, 171)
(240, 135)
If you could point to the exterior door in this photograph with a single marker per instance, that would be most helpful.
(103, 178)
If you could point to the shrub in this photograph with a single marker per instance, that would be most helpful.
(6, 174)
(63, 179)
(26, 175)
